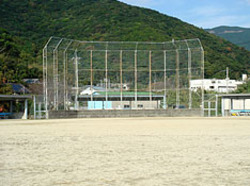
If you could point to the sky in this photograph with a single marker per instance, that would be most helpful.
(202, 13)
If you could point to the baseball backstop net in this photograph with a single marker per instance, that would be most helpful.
(80, 75)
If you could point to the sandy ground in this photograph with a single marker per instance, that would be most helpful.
(142, 151)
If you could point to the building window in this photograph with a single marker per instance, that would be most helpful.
(126, 106)
(140, 106)
(211, 87)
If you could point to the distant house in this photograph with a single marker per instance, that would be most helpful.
(106, 82)
(31, 80)
(87, 90)
(216, 85)
(19, 88)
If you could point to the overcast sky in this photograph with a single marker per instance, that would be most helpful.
(202, 13)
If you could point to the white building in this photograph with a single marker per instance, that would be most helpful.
(87, 90)
(216, 85)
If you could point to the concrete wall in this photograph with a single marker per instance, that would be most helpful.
(17, 115)
(132, 104)
(124, 113)
(121, 105)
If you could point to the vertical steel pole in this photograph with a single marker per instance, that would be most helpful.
(150, 78)
(76, 81)
(56, 75)
(45, 76)
(165, 80)
(177, 80)
(34, 102)
(227, 78)
(66, 84)
(202, 89)
(135, 71)
(189, 74)
(216, 106)
(45, 80)
(46, 83)
(106, 76)
(91, 74)
(64, 80)
(54, 80)
(202, 71)
(65, 65)
(121, 83)
(189, 77)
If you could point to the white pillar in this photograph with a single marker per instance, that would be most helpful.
(25, 114)
(40, 110)
(222, 107)
(34, 102)
(216, 106)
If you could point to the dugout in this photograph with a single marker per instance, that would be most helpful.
(128, 101)
(235, 104)
(14, 106)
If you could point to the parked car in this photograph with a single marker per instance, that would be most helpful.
(179, 107)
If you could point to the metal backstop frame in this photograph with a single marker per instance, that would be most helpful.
(149, 68)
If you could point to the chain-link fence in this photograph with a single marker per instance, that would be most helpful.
(121, 75)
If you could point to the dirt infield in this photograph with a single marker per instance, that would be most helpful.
(129, 151)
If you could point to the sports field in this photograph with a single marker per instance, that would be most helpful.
(129, 151)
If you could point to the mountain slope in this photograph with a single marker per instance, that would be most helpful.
(37, 20)
(15, 62)
(237, 35)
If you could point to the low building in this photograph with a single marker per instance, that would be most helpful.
(235, 104)
(31, 80)
(14, 106)
(114, 100)
(88, 90)
(216, 85)
(19, 88)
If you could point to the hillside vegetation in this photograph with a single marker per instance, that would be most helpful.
(237, 35)
(34, 21)
(15, 62)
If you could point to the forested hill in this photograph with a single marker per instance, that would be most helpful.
(36, 20)
(237, 35)
(15, 62)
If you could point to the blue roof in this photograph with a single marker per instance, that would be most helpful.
(18, 88)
